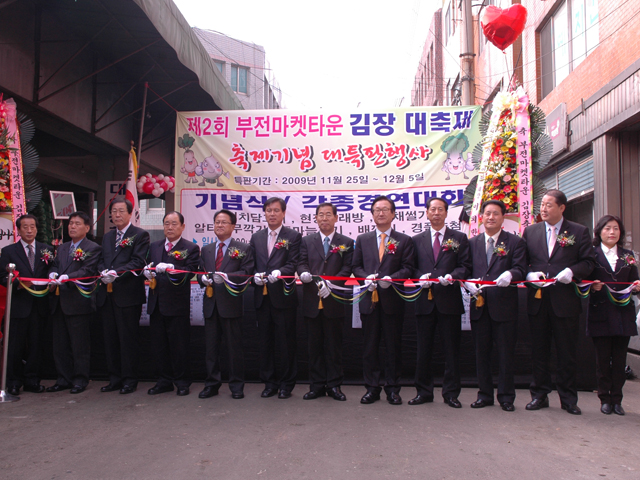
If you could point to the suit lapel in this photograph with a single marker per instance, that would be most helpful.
(317, 243)
(502, 240)
(226, 259)
(23, 256)
(447, 235)
(64, 256)
(428, 246)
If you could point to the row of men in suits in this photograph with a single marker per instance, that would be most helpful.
(437, 257)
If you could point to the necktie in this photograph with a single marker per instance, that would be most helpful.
(436, 246)
(119, 238)
(169, 247)
(72, 250)
(32, 257)
(552, 239)
(326, 246)
(272, 241)
(490, 244)
(219, 257)
(383, 237)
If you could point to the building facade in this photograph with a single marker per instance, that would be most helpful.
(245, 68)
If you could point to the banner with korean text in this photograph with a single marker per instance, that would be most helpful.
(238, 159)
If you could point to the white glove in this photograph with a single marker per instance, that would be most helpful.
(306, 277)
(53, 276)
(384, 282)
(163, 267)
(220, 277)
(324, 291)
(425, 282)
(273, 276)
(150, 274)
(565, 276)
(368, 282)
(108, 276)
(206, 280)
(533, 276)
(504, 280)
(259, 279)
(61, 278)
(446, 280)
(471, 287)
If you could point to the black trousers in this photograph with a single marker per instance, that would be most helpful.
(217, 328)
(277, 332)
(486, 332)
(121, 327)
(611, 359)
(72, 348)
(25, 343)
(450, 330)
(376, 326)
(545, 326)
(170, 337)
(325, 351)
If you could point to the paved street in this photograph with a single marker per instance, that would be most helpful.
(110, 436)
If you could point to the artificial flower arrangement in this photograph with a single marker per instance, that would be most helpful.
(282, 243)
(80, 255)
(126, 242)
(236, 253)
(391, 247)
(450, 244)
(179, 254)
(339, 249)
(46, 256)
(500, 250)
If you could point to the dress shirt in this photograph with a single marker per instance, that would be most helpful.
(167, 242)
(323, 236)
(25, 245)
(378, 233)
(441, 232)
(495, 240)
(558, 226)
(611, 254)
(225, 245)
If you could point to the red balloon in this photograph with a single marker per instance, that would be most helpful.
(147, 187)
(503, 26)
(163, 185)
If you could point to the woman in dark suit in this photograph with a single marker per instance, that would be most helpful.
(610, 326)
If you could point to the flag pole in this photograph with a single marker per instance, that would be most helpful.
(4, 396)
(144, 113)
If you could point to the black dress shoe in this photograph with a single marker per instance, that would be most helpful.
(182, 391)
(208, 392)
(538, 403)
(129, 389)
(507, 406)
(57, 388)
(15, 391)
(337, 394)
(618, 410)
(268, 392)
(313, 394)
(606, 408)
(34, 388)
(370, 397)
(78, 389)
(284, 394)
(480, 403)
(420, 399)
(572, 409)
(453, 402)
(156, 389)
(112, 387)
(237, 395)
(394, 399)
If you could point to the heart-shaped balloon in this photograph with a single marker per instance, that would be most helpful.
(503, 26)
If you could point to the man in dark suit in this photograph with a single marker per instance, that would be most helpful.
(124, 250)
(169, 304)
(276, 250)
(380, 256)
(72, 310)
(325, 253)
(230, 260)
(558, 249)
(496, 256)
(443, 256)
(28, 312)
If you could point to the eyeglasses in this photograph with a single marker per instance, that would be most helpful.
(378, 211)
(222, 224)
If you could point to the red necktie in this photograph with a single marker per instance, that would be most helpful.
(219, 257)
(169, 247)
(436, 246)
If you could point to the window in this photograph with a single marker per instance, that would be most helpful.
(238, 79)
(447, 23)
(565, 41)
(220, 66)
(155, 204)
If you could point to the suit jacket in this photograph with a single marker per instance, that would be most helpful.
(22, 301)
(501, 302)
(313, 260)
(579, 257)
(169, 299)
(283, 259)
(606, 319)
(128, 290)
(447, 299)
(366, 261)
(71, 301)
(237, 269)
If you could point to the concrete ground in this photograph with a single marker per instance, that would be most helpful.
(111, 436)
